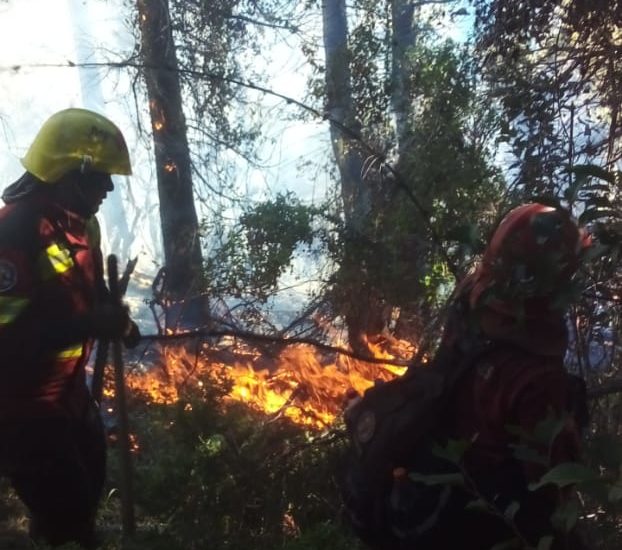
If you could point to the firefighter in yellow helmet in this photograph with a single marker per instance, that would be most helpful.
(53, 304)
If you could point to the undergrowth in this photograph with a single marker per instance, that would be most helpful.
(210, 475)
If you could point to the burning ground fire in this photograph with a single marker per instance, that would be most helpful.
(300, 383)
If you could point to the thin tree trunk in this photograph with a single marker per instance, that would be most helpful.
(348, 155)
(180, 229)
(361, 307)
(365, 309)
(403, 36)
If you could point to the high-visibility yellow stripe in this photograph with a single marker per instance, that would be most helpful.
(10, 308)
(59, 257)
(70, 353)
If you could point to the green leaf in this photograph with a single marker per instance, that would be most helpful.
(545, 543)
(518, 431)
(511, 511)
(528, 454)
(547, 430)
(511, 544)
(592, 170)
(455, 478)
(565, 516)
(212, 445)
(478, 505)
(567, 473)
(453, 451)
(615, 493)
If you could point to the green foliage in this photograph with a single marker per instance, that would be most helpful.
(555, 72)
(603, 485)
(536, 446)
(545, 543)
(273, 230)
(510, 544)
(259, 251)
(448, 167)
(567, 473)
(368, 64)
(453, 451)
(438, 479)
(216, 476)
(323, 536)
(565, 517)
(406, 256)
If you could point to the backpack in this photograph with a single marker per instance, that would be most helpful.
(391, 430)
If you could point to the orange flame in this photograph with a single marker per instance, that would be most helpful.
(300, 383)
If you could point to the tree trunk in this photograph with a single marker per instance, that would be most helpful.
(365, 309)
(339, 106)
(360, 305)
(403, 25)
(180, 229)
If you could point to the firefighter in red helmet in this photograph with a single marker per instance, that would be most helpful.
(444, 457)
(52, 305)
(530, 259)
(516, 300)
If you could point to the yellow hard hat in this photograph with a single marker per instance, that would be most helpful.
(75, 139)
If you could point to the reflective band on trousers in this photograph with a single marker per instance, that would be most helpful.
(10, 308)
(70, 353)
(60, 258)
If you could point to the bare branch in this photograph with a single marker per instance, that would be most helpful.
(246, 335)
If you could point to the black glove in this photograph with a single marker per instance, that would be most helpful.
(132, 338)
(109, 322)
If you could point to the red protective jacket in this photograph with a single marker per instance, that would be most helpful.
(50, 279)
(517, 384)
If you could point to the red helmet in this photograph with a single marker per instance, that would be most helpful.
(532, 253)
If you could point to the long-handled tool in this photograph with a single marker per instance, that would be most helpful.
(101, 356)
(127, 496)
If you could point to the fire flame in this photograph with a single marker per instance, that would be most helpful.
(301, 384)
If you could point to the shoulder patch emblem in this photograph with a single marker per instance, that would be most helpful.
(8, 275)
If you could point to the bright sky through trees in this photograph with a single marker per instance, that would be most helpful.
(38, 38)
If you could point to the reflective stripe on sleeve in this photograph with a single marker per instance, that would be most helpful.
(59, 257)
(70, 353)
(10, 308)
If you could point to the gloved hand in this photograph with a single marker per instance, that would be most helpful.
(109, 322)
(132, 338)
